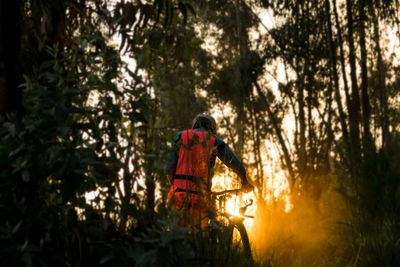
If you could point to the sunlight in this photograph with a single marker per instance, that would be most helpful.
(233, 204)
(275, 189)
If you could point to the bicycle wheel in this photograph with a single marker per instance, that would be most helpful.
(244, 240)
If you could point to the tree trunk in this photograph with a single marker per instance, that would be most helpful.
(368, 144)
(354, 111)
(301, 84)
(342, 57)
(311, 100)
(302, 131)
(278, 133)
(330, 136)
(243, 52)
(257, 144)
(128, 189)
(10, 44)
(150, 197)
(335, 78)
(150, 175)
(383, 98)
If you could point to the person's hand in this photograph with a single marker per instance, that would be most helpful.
(247, 187)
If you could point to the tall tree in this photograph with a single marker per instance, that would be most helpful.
(366, 109)
(335, 78)
(354, 108)
(383, 97)
(10, 46)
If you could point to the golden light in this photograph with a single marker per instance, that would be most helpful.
(236, 201)
(275, 187)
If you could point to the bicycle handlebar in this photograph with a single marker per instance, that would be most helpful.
(229, 191)
(242, 210)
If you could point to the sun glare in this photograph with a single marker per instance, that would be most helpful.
(275, 188)
(236, 201)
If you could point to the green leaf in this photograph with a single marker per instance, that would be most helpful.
(11, 128)
(47, 64)
(25, 176)
(16, 227)
(23, 247)
(106, 258)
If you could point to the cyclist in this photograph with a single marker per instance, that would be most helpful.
(190, 169)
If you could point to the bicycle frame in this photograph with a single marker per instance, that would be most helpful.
(219, 199)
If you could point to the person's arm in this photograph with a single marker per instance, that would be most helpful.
(172, 161)
(226, 155)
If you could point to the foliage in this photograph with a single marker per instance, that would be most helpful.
(99, 88)
(87, 129)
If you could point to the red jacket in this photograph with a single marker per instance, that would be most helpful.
(191, 164)
(193, 169)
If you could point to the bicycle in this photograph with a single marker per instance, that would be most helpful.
(223, 224)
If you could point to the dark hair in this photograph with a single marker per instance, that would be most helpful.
(204, 120)
(203, 123)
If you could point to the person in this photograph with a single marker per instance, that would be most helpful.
(190, 169)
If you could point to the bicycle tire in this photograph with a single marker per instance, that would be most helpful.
(244, 238)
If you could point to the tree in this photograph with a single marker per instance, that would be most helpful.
(10, 46)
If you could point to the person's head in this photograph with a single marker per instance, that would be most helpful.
(206, 121)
